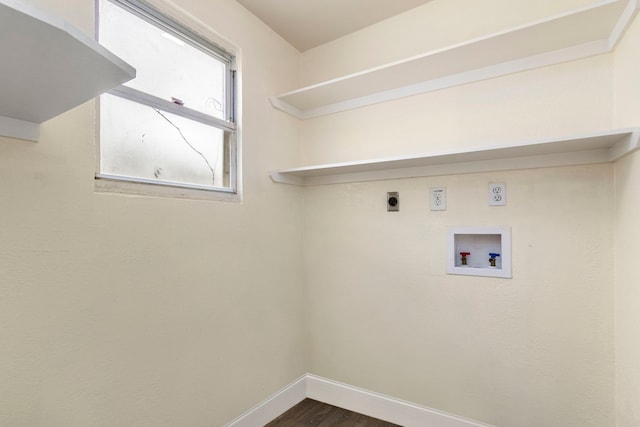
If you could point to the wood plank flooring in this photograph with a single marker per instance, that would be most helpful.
(317, 414)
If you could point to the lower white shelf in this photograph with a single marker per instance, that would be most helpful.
(597, 147)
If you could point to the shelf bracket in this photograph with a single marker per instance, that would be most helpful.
(279, 178)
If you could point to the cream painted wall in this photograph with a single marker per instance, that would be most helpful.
(534, 350)
(627, 292)
(563, 100)
(567, 99)
(119, 310)
(627, 180)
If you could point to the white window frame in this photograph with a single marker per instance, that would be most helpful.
(228, 125)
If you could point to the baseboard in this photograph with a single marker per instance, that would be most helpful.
(381, 406)
(273, 406)
(352, 398)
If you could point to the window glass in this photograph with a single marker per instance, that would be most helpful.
(147, 143)
(166, 66)
(172, 124)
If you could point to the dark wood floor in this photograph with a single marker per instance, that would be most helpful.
(313, 413)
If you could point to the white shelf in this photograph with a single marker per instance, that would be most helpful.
(577, 34)
(600, 147)
(48, 67)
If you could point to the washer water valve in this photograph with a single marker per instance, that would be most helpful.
(492, 258)
(463, 257)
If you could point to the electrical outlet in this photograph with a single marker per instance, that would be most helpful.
(393, 201)
(497, 194)
(438, 199)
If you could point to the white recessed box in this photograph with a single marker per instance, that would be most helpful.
(478, 246)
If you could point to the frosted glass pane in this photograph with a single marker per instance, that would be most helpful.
(141, 142)
(166, 66)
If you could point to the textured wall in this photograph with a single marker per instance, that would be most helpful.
(536, 350)
(627, 321)
(533, 350)
(119, 310)
(627, 178)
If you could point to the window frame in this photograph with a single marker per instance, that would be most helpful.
(228, 125)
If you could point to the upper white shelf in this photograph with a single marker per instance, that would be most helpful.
(577, 34)
(598, 147)
(48, 67)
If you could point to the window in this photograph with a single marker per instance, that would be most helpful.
(174, 124)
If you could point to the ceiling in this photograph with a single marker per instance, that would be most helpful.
(309, 23)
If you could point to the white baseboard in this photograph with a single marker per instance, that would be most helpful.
(273, 406)
(381, 406)
(352, 398)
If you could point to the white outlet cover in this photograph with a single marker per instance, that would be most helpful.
(497, 194)
(438, 199)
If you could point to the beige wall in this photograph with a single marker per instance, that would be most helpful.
(567, 99)
(627, 292)
(534, 350)
(627, 180)
(119, 310)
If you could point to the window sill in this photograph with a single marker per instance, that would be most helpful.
(140, 189)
